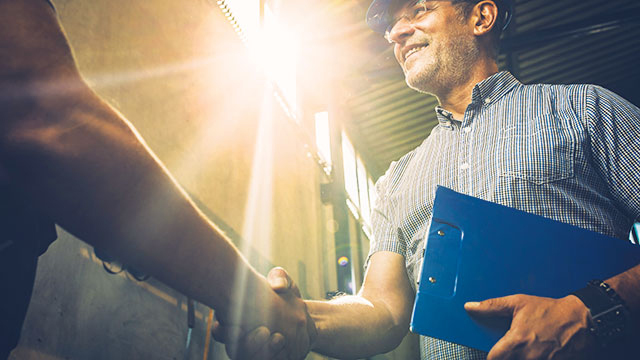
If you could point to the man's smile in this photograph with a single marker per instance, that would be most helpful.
(411, 50)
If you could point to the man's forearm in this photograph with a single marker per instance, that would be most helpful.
(352, 327)
(76, 159)
(85, 166)
(627, 285)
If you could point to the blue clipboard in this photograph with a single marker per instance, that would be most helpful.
(476, 250)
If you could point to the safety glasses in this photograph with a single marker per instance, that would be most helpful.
(412, 13)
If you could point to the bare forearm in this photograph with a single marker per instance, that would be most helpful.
(78, 160)
(84, 165)
(352, 327)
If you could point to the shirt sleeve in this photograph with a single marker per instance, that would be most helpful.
(384, 230)
(614, 130)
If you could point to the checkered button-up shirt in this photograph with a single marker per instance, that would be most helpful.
(567, 152)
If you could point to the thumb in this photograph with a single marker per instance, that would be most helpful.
(279, 280)
(282, 283)
(502, 306)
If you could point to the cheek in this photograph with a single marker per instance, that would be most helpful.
(397, 53)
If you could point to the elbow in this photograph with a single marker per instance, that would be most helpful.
(384, 342)
(396, 329)
(394, 336)
(389, 336)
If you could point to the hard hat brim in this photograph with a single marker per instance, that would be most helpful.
(378, 18)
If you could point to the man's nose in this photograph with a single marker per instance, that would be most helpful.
(400, 31)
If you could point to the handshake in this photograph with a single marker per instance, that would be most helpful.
(273, 326)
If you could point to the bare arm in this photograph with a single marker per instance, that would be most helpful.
(84, 165)
(374, 321)
(350, 327)
(627, 285)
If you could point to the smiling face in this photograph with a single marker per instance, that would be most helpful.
(434, 45)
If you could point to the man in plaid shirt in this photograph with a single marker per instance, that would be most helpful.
(566, 152)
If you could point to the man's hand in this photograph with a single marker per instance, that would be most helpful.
(304, 338)
(260, 343)
(541, 328)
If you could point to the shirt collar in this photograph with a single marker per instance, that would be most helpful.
(444, 117)
(493, 88)
(485, 92)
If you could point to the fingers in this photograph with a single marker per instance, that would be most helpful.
(502, 350)
(289, 317)
(224, 334)
(297, 330)
(503, 306)
(217, 332)
(257, 344)
(297, 325)
(261, 345)
(277, 342)
(516, 345)
(238, 347)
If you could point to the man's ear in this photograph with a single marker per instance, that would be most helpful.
(484, 16)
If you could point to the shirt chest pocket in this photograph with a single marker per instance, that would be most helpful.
(538, 151)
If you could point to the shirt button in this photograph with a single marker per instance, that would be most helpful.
(464, 166)
(487, 100)
(467, 129)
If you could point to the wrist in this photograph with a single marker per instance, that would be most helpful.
(608, 315)
(310, 305)
(312, 330)
(316, 309)
(253, 303)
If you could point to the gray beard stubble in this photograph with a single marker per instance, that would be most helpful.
(451, 71)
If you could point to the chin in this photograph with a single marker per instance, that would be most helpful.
(420, 82)
(417, 86)
(422, 77)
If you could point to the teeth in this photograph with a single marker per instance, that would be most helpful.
(412, 51)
